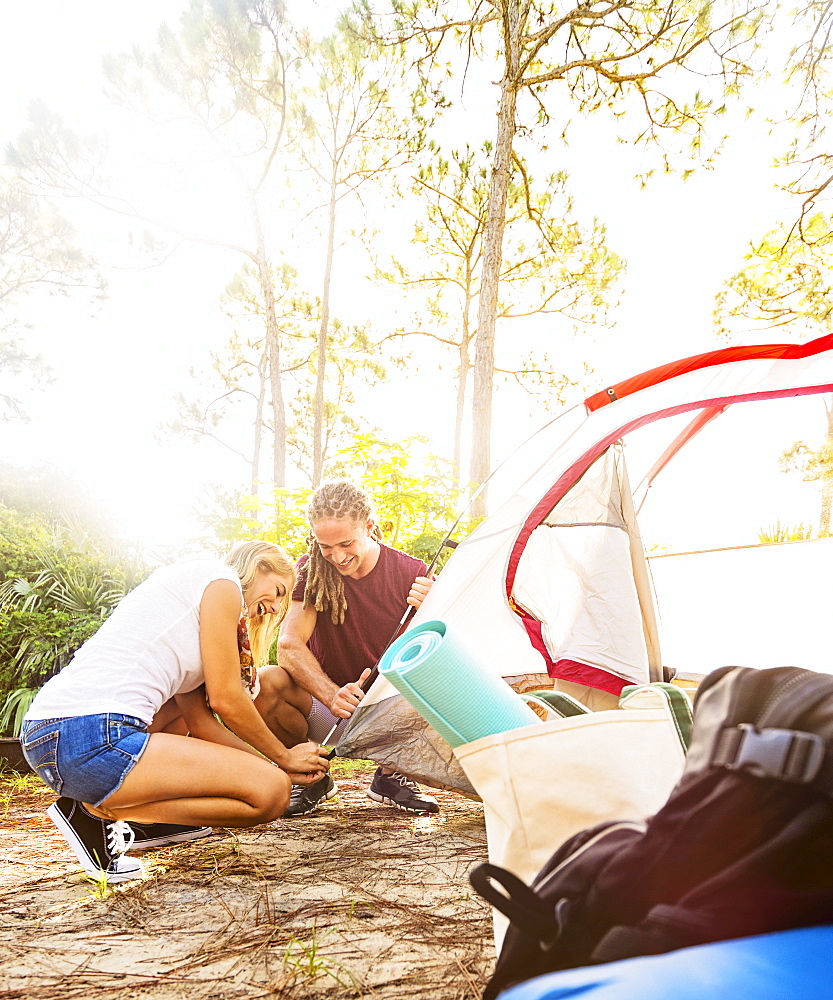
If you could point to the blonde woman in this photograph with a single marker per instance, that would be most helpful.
(108, 733)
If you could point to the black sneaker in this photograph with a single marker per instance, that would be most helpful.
(304, 799)
(397, 790)
(98, 844)
(147, 835)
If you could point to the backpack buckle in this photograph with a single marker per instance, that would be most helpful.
(785, 754)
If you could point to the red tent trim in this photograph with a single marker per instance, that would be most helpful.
(729, 354)
(596, 677)
(570, 670)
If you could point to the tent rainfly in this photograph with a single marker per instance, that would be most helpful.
(555, 583)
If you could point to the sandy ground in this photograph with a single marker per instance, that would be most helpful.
(357, 900)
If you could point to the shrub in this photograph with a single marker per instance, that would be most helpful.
(58, 585)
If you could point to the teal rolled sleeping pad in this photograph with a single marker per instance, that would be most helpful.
(462, 700)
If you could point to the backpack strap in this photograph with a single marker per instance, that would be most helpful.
(517, 901)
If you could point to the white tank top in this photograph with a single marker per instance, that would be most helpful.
(147, 651)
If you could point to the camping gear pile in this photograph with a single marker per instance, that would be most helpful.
(555, 586)
(542, 784)
(741, 847)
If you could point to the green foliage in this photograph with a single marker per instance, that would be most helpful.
(14, 708)
(549, 262)
(352, 362)
(236, 389)
(58, 585)
(274, 514)
(414, 509)
(303, 961)
(785, 285)
(785, 533)
(813, 464)
(21, 535)
(409, 506)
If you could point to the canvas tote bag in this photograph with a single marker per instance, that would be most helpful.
(543, 783)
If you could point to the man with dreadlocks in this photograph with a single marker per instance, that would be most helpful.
(351, 594)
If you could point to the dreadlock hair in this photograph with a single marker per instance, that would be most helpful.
(324, 589)
(249, 558)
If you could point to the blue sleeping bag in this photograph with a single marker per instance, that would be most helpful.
(789, 965)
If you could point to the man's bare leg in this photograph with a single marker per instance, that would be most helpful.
(283, 706)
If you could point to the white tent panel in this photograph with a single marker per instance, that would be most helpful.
(752, 606)
(579, 582)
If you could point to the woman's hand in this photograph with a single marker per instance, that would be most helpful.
(348, 697)
(304, 763)
(304, 779)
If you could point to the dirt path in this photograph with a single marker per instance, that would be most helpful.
(357, 900)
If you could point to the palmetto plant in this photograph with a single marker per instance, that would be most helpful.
(48, 615)
(14, 708)
(77, 575)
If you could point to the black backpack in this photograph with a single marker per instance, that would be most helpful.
(743, 846)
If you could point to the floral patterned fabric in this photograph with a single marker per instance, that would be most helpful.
(248, 670)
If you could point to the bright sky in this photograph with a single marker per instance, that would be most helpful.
(116, 371)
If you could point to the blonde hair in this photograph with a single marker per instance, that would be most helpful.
(324, 589)
(248, 559)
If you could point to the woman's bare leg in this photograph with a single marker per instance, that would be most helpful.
(194, 782)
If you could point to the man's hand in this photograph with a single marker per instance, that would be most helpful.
(348, 697)
(419, 589)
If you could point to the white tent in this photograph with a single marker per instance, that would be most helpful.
(555, 584)
(752, 605)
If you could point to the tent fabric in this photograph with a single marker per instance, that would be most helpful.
(790, 964)
(746, 594)
(697, 424)
(521, 613)
(576, 579)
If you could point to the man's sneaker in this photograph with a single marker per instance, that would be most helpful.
(98, 844)
(397, 790)
(304, 799)
(147, 835)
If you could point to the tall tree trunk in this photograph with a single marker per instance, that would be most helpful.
(484, 357)
(462, 383)
(278, 407)
(318, 430)
(262, 368)
(273, 347)
(462, 379)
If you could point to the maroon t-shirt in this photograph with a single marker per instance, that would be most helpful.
(375, 606)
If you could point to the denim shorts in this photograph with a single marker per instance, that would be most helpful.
(87, 757)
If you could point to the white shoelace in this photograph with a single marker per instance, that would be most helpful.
(120, 837)
(405, 782)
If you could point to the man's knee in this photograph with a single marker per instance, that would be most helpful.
(282, 704)
(276, 686)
